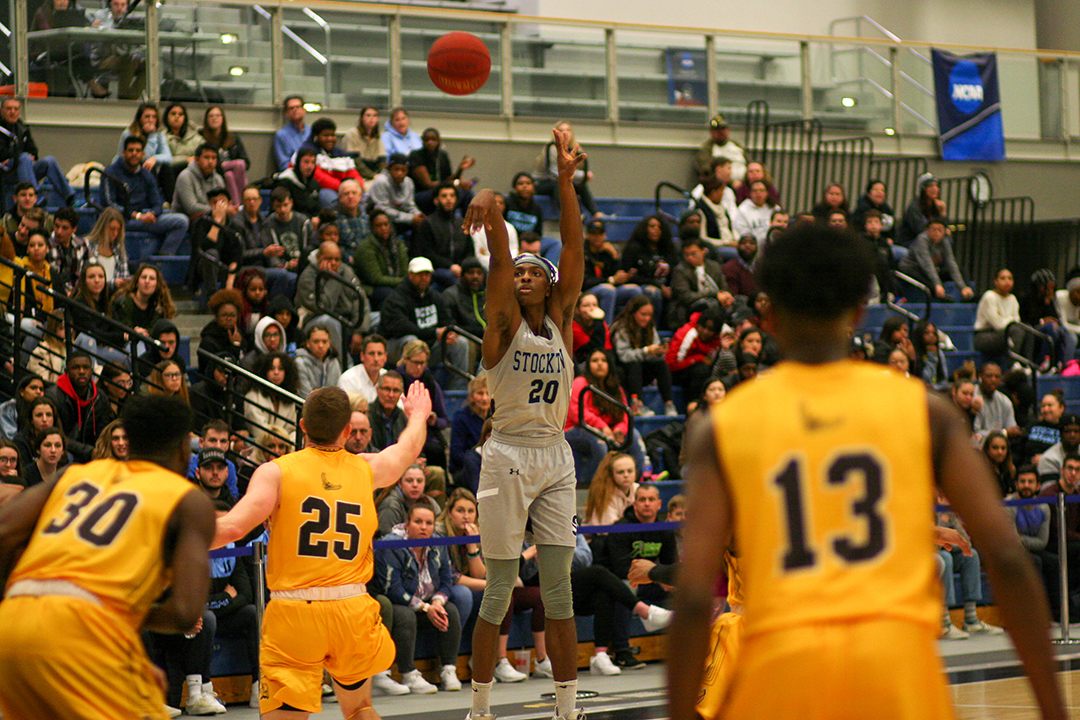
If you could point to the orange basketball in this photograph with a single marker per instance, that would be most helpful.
(459, 63)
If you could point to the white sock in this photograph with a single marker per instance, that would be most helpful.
(194, 686)
(481, 697)
(208, 688)
(565, 697)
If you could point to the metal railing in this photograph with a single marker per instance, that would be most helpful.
(106, 176)
(905, 278)
(656, 198)
(450, 368)
(627, 441)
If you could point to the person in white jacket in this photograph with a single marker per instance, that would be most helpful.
(754, 213)
(997, 309)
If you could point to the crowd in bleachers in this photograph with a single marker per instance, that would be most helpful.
(361, 276)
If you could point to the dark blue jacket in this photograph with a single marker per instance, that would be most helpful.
(397, 572)
(144, 194)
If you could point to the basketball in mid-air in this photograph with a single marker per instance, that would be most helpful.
(459, 63)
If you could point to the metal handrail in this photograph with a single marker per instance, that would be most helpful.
(346, 323)
(442, 348)
(125, 192)
(628, 440)
(656, 196)
(904, 277)
(1027, 362)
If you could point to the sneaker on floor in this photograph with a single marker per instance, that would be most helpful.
(658, 618)
(953, 633)
(670, 410)
(542, 668)
(449, 678)
(253, 701)
(482, 716)
(417, 684)
(600, 664)
(507, 673)
(205, 704)
(173, 712)
(627, 660)
(387, 685)
(577, 714)
(643, 410)
(328, 693)
(981, 628)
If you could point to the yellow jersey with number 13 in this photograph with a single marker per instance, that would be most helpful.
(321, 531)
(829, 468)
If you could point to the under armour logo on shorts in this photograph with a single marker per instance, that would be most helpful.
(575, 522)
(515, 471)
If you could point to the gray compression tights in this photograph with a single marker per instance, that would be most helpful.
(554, 563)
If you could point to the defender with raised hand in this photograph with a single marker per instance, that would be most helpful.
(527, 478)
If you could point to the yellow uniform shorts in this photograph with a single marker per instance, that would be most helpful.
(300, 638)
(887, 669)
(64, 657)
(724, 642)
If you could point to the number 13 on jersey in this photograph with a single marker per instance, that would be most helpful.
(804, 491)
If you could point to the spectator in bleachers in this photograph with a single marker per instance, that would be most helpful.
(365, 141)
(168, 335)
(547, 175)
(15, 410)
(611, 490)
(168, 379)
(926, 206)
(111, 443)
(156, 158)
(81, 409)
(996, 412)
(94, 334)
(970, 570)
(480, 243)
(930, 260)
(144, 203)
(639, 352)
(332, 164)
(194, 183)
(600, 414)
(996, 449)
(963, 396)
(126, 62)
(838, 219)
(522, 210)
(11, 475)
(1032, 524)
(756, 171)
(649, 257)
(351, 220)
(262, 406)
(251, 282)
(186, 660)
(359, 426)
(392, 191)
(697, 410)
(268, 337)
(754, 215)
(211, 472)
(590, 329)
(116, 384)
(40, 413)
(834, 198)
(393, 503)
(716, 225)
(215, 434)
(233, 160)
(182, 136)
(386, 415)
(221, 336)
(871, 228)
(1067, 302)
(209, 397)
(929, 365)
(893, 336)
(216, 249)
(107, 246)
(299, 180)
(47, 359)
(739, 272)
(279, 239)
(19, 153)
(281, 308)
(1067, 483)
(467, 299)
(441, 238)
(25, 215)
(67, 253)
(317, 362)
(468, 423)
(37, 303)
(720, 169)
(692, 349)
(874, 199)
(1046, 431)
(333, 300)
(362, 378)
(719, 144)
(998, 308)
(430, 170)
(603, 276)
(270, 445)
(414, 367)
(1050, 463)
(49, 454)
(697, 280)
(293, 134)
(1039, 310)
(381, 259)
(418, 582)
(144, 301)
(397, 138)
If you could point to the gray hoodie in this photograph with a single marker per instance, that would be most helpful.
(191, 188)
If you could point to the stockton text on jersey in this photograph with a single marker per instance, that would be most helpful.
(549, 362)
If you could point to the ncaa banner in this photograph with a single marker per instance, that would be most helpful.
(968, 106)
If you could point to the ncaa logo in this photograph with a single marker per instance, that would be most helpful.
(965, 87)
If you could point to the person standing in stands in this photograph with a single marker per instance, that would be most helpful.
(320, 614)
(528, 472)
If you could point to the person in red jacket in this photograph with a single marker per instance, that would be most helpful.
(692, 349)
(590, 330)
(602, 414)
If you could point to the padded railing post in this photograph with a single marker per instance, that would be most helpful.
(1063, 570)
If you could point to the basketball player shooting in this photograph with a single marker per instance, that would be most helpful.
(527, 476)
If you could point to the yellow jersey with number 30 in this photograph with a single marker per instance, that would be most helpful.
(829, 469)
(321, 531)
(103, 529)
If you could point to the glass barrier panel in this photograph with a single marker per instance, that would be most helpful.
(662, 77)
(1018, 80)
(918, 108)
(851, 87)
(559, 72)
(769, 70)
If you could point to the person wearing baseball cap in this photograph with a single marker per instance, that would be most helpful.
(603, 276)
(211, 472)
(719, 144)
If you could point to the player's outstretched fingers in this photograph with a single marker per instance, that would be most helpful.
(417, 400)
(476, 215)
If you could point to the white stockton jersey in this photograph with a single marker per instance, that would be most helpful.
(530, 387)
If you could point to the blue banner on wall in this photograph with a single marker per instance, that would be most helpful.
(968, 106)
(687, 77)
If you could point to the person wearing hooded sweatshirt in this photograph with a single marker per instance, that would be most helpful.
(468, 299)
(269, 337)
(281, 308)
(393, 192)
(82, 411)
(398, 138)
(317, 362)
(441, 238)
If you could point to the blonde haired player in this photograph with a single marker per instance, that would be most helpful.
(831, 502)
(321, 508)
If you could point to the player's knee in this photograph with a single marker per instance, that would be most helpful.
(501, 575)
(554, 564)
